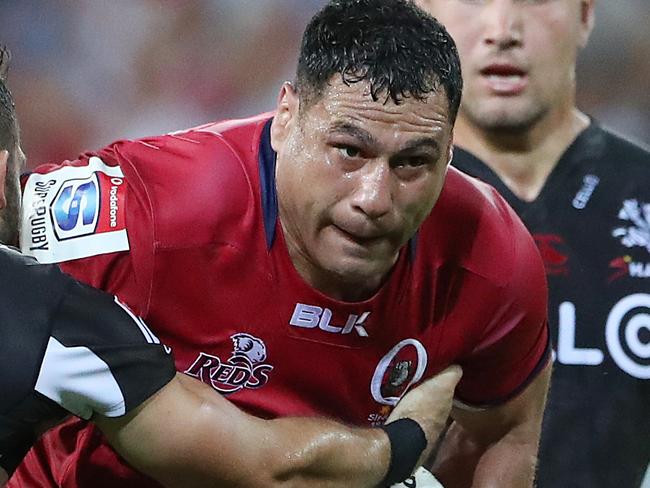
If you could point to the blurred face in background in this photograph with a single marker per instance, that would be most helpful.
(518, 56)
(355, 179)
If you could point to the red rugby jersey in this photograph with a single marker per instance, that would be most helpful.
(184, 228)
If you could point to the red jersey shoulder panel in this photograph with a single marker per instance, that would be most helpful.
(103, 215)
(504, 281)
(480, 226)
(200, 183)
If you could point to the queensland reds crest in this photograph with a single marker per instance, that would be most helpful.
(400, 368)
(245, 368)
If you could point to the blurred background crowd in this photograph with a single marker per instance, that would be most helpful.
(87, 72)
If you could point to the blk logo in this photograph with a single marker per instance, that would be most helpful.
(311, 317)
(75, 208)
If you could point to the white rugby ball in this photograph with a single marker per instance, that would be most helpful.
(420, 479)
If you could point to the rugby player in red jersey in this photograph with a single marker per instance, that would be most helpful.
(319, 260)
(67, 348)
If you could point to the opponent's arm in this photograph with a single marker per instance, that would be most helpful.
(187, 435)
(495, 447)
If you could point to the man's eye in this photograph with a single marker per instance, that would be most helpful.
(417, 162)
(411, 163)
(349, 152)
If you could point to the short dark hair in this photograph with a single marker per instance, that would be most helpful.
(400, 50)
(8, 124)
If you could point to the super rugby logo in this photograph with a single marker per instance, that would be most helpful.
(81, 208)
(75, 208)
(245, 368)
(74, 212)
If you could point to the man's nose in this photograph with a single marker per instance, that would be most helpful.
(503, 24)
(373, 195)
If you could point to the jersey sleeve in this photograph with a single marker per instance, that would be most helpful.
(67, 348)
(515, 344)
(100, 358)
(93, 218)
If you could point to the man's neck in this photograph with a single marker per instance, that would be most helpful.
(523, 160)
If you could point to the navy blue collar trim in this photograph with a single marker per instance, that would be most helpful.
(267, 159)
(413, 246)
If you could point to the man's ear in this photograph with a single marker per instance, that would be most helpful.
(587, 20)
(287, 109)
(4, 162)
(450, 150)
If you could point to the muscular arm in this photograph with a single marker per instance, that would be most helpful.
(186, 435)
(495, 447)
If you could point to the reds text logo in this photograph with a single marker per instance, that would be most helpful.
(245, 368)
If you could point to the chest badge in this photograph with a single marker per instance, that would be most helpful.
(636, 231)
(401, 367)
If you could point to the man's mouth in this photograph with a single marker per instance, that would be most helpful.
(504, 78)
(361, 238)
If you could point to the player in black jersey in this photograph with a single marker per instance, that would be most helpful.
(585, 195)
(65, 347)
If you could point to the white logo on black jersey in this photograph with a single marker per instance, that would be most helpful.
(637, 233)
(589, 184)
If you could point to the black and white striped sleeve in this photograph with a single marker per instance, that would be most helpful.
(100, 358)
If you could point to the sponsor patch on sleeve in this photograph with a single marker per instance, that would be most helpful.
(74, 212)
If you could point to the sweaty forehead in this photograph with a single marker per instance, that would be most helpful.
(353, 103)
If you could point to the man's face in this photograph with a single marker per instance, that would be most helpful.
(518, 56)
(355, 179)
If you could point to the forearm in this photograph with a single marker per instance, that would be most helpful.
(220, 444)
(324, 453)
(462, 462)
(496, 447)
